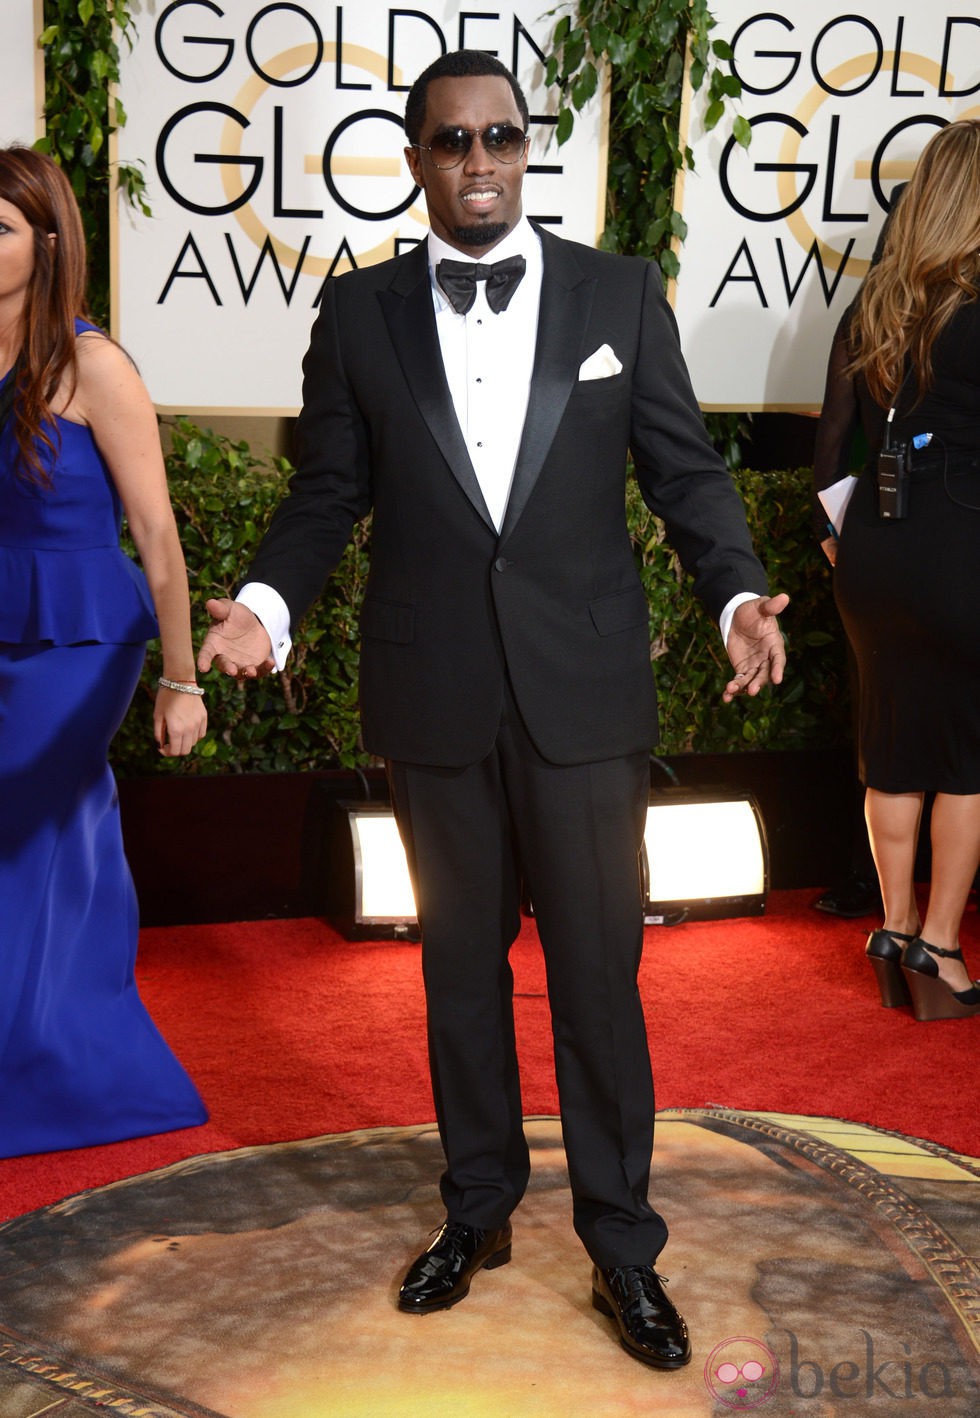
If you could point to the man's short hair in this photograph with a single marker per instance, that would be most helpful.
(458, 64)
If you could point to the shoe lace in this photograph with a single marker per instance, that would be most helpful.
(456, 1235)
(638, 1283)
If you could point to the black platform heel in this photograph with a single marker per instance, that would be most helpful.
(932, 998)
(885, 955)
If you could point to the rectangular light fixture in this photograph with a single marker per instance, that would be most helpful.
(704, 856)
(369, 891)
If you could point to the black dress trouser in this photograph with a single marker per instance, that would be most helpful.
(575, 834)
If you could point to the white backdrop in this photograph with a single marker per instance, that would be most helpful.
(780, 234)
(21, 72)
(273, 149)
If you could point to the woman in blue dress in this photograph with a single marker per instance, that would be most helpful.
(81, 1062)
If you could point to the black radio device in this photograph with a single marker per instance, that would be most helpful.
(893, 472)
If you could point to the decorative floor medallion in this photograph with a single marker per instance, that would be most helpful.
(824, 1268)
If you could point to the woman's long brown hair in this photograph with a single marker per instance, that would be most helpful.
(930, 265)
(55, 297)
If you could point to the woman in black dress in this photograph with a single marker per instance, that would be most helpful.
(906, 363)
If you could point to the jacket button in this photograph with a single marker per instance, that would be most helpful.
(501, 564)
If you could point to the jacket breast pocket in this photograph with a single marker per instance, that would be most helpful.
(388, 620)
(623, 610)
(612, 386)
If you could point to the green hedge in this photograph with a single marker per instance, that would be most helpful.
(307, 717)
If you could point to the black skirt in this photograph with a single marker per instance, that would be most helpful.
(908, 592)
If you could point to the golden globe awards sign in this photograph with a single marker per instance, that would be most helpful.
(272, 142)
(780, 234)
(21, 72)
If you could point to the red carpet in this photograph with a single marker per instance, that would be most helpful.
(291, 1032)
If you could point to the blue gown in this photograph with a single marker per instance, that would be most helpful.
(81, 1062)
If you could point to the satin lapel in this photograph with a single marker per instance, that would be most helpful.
(566, 302)
(407, 309)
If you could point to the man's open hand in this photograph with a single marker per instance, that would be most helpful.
(237, 643)
(755, 646)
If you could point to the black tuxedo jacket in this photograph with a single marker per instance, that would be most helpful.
(554, 601)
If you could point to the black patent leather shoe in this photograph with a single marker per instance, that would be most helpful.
(855, 896)
(441, 1275)
(649, 1327)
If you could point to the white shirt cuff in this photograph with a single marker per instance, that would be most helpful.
(270, 608)
(725, 622)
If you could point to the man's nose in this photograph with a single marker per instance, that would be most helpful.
(478, 159)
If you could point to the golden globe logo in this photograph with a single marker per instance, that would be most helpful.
(802, 145)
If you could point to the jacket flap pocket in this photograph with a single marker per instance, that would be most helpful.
(388, 620)
(623, 610)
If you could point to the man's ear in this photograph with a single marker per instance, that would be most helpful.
(414, 159)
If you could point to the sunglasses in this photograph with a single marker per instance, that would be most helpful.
(504, 142)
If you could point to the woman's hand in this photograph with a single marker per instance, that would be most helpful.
(829, 548)
(179, 722)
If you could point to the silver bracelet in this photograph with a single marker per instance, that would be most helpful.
(179, 685)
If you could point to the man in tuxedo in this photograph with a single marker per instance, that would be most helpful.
(481, 395)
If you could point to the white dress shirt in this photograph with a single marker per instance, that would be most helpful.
(488, 360)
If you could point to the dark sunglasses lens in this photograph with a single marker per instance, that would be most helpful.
(450, 147)
(504, 141)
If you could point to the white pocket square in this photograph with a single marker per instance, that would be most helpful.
(603, 364)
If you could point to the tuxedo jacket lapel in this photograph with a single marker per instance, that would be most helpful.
(407, 308)
(566, 303)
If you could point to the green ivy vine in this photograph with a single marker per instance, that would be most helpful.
(80, 40)
(642, 44)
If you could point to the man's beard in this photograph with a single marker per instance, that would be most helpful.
(487, 234)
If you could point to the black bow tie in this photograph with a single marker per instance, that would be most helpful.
(458, 279)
